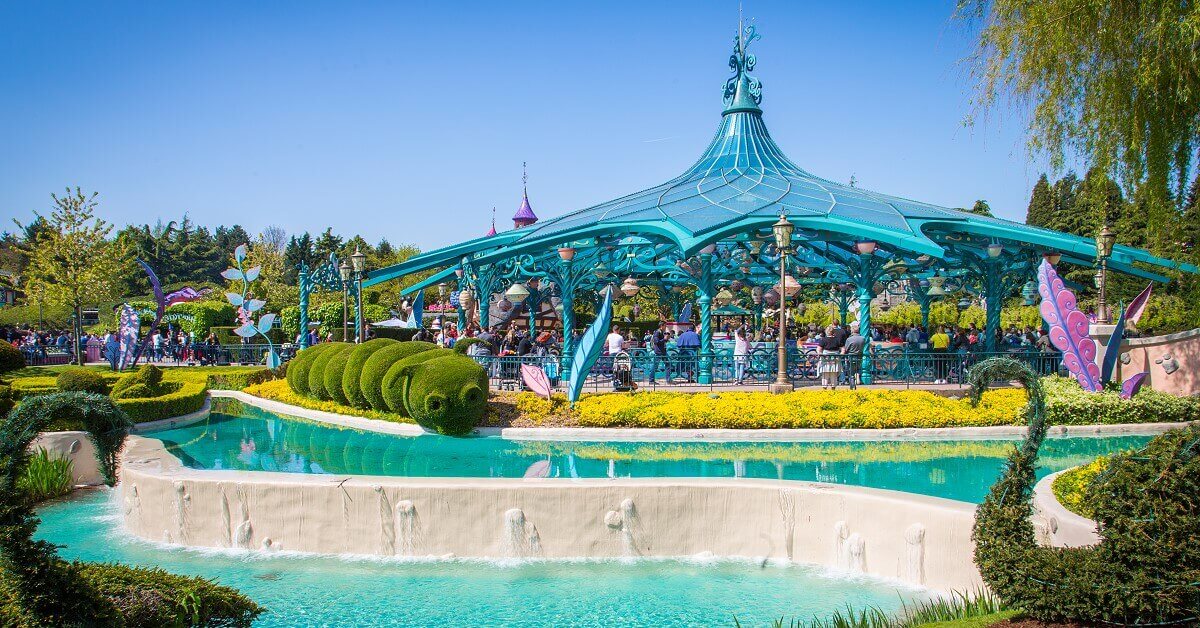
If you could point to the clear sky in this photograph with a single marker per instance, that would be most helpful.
(410, 121)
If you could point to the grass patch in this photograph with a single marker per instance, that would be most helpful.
(278, 390)
(46, 477)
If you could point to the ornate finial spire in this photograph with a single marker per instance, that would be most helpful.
(492, 231)
(742, 91)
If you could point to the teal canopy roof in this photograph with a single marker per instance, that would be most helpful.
(741, 184)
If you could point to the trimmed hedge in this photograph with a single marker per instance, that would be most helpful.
(316, 372)
(11, 358)
(144, 382)
(236, 377)
(1069, 404)
(376, 367)
(180, 398)
(354, 366)
(335, 370)
(81, 380)
(6, 399)
(444, 392)
(297, 373)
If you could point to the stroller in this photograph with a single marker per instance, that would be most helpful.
(622, 373)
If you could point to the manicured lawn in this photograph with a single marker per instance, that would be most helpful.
(982, 621)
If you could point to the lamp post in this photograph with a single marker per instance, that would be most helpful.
(1104, 247)
(783, 243)
(344, 271)
(359, 262)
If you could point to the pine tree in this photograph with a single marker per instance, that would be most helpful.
(328, 243)
(1065, 190)
(981, 208)
(1189, 231)
(1041, 204)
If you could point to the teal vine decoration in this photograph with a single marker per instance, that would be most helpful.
(1146, 569)
(742, 63)
(247, 305)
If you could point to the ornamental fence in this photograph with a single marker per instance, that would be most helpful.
(804, 368)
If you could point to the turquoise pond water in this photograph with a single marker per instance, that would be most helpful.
(257, 440)
(330, 591)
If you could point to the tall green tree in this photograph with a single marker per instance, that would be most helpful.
(1189, 223)
(1116, 83)
(981, 208)
(328, 243)
(1041, 204)
(73, 261)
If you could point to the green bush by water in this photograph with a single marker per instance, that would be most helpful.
(354, 366)
(370, 381)
(81, 380)
(316, 372)
(46, 477)
(1069, 404)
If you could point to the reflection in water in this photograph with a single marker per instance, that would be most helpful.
(261, 441)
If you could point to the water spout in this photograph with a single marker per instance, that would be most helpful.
(408, 529)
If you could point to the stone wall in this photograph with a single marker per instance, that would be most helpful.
(1173, 361)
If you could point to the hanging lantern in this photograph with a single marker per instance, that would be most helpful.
(566, 253)
(724, 297)
(885, 302)
(935, 286)
(771, 297)
(504, 305)
(865, 247)
(630, 287)
(466, 298)
(1029, 292)
(756, 246)
(756, 295)
(790, 286)
(517, 293)
(995, 249)
(964, 303)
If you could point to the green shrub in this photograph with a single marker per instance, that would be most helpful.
(316, 372)
(1069, 404)
(46, 477)
(236, 377)
(402, 334)
(335, 370)
(147, 377)
(11, 358)
(81, 380)
(135, 391)
(6, 400)
(462, 344)
(354, 365)
(143, 597)
(297, 373)
(259, 376)
(1071, 488)
(441, 390)
(175, 399)
(1146, 568)
(370, 380)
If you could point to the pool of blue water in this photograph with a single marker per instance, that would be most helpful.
(330, 591)
(252, 439)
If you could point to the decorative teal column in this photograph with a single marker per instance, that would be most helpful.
(305, 286)
(993, 292)
(705, 289)
(865, 295)
(485, 309)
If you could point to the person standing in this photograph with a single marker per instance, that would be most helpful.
(658, 350)
(615, 341)
(741, 353)
(853, 350)
(688, 344)
(939, 342)
(829, 366)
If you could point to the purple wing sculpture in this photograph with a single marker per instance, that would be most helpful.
(1137, 307)
(158, 314)
(1133, 385)
(536, 379)
(1068, 328)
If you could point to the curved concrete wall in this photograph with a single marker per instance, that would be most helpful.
(1173, 361)
(74, 445)
(916, 539)
(1056, 526)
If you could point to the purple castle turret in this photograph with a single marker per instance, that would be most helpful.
(524, 216)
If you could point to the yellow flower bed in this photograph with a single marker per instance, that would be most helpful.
(874, 451)
(803, 409)
(278, 390)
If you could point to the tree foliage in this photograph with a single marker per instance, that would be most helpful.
(1117, 83)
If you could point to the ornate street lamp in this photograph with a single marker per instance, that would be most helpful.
(359, 262)
(345, 271)
(963, 304)
(935, 286)
(783, 243)
(1104, 248)
(995, 249)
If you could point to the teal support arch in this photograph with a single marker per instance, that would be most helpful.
(993, 291)
(705, 292)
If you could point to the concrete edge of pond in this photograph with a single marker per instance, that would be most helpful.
(914, 539)
(1056, 525)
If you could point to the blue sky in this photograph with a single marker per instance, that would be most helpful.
(411, 121)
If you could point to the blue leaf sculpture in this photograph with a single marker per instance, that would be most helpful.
(265, 323)
(240, 253)
(418, 305)
(685, 314)
(234, 298)
(1112, 349)
(252, 274)
(587, 351)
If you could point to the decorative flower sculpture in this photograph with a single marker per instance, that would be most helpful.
(247, 306)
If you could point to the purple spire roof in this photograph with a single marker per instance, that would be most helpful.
(525, 212)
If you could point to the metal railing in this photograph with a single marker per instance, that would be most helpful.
(892, 366)
(219, 355)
